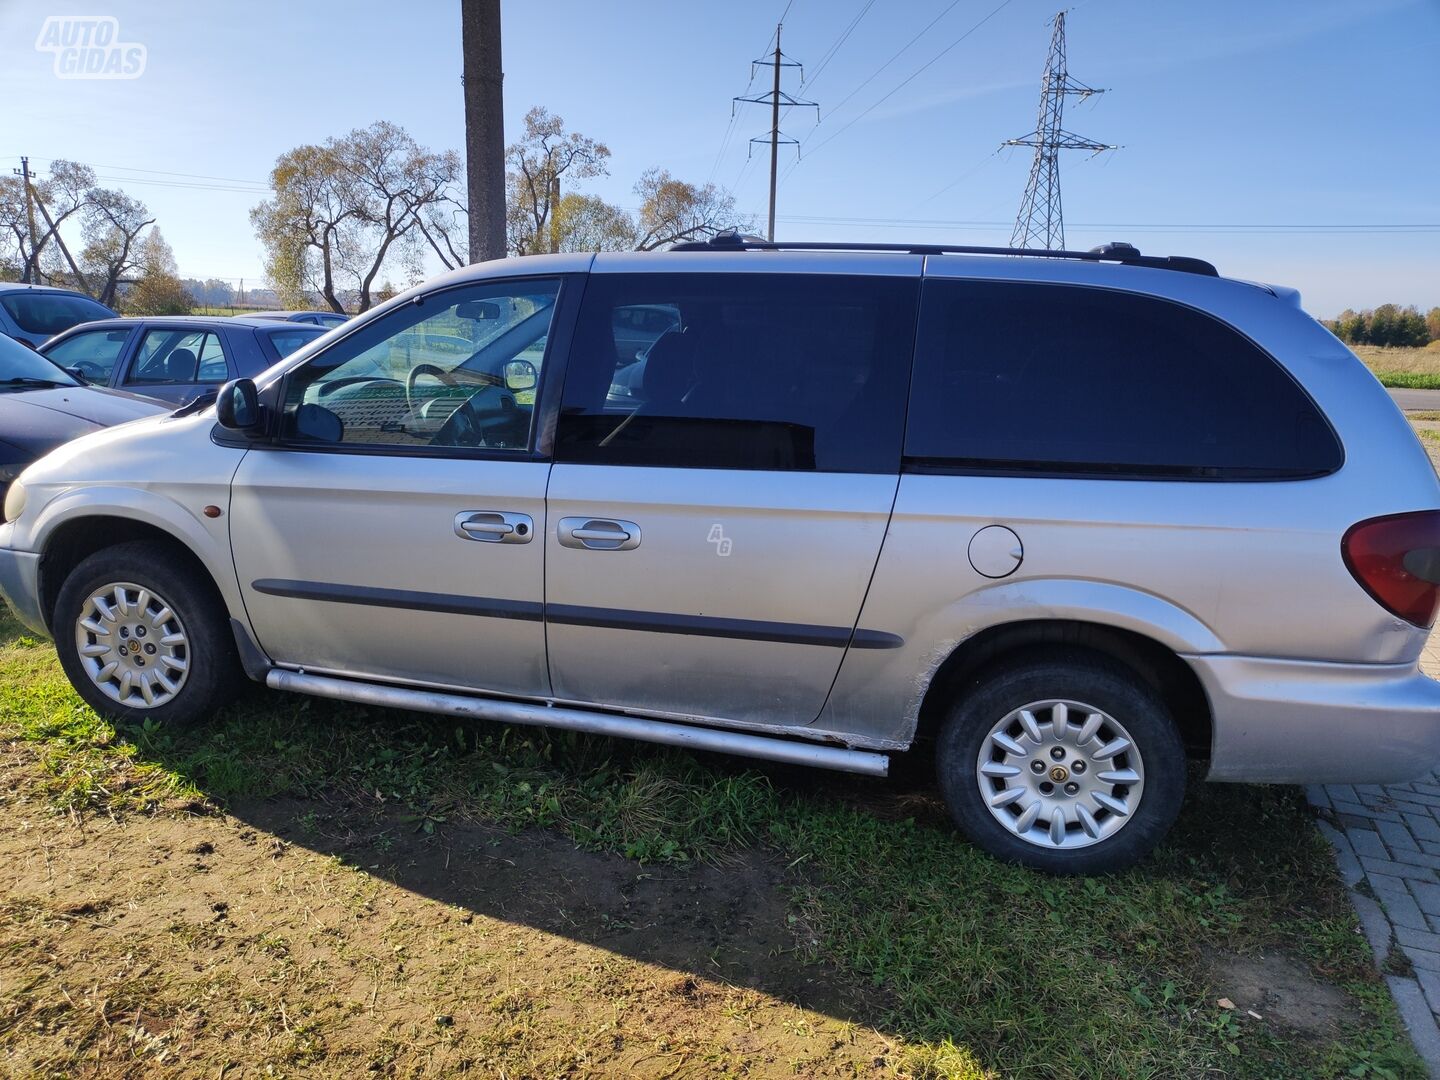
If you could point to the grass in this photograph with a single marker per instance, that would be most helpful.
(1411, 369)
(969, 968)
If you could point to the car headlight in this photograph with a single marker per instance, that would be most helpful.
(14, 501)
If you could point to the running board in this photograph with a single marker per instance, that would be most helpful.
(569, 719)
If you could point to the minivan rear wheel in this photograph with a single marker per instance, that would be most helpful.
(142, 635)
(1066, 762)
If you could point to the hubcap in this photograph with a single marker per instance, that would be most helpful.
(132, 645)
(1061, 774)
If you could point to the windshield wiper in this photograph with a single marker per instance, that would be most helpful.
(21, 380)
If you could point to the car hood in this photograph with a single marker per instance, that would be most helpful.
(39, 420)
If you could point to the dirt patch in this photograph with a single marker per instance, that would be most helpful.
(1281, 990)
(302, 936)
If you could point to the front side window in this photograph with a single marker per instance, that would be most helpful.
(1073, 380)
(92, 353)
(746, 371)
(459, 369)
(178, 356)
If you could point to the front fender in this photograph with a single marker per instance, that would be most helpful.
(208, 539)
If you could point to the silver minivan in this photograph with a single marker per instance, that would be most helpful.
(1067, 518)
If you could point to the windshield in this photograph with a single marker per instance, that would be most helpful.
(51, 312)
(20, 365)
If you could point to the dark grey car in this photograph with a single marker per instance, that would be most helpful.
(42, 407)
(175, 358)
(35, 313)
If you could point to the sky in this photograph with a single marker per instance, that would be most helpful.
(1291, 141)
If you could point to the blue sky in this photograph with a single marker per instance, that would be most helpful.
(1264, 113)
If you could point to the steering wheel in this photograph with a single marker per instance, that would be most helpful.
(414, 377)
(90, 371)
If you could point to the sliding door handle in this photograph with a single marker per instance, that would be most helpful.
(599, 534)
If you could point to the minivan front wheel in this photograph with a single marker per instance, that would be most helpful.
(141, 634)
(1069, 764)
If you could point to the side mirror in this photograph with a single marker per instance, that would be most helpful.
(237, 406)
(521, 375)
(477, 310)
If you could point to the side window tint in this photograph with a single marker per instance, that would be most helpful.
(92, 354)
(459, 370)
(743, 371)
(1069, 379)
(168, 356)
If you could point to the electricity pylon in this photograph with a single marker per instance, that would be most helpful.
(775, 98)
(1040, 222)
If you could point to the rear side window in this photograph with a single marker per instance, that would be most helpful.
(1066, 379)
(178, 356)
(744, 371)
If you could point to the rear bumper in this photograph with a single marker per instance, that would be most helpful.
(20, 584)
(1304, 722)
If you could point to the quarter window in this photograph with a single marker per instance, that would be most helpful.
(739, 371)
(460, 369)
(1066, 379)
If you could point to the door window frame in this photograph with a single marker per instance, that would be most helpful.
(547, 392)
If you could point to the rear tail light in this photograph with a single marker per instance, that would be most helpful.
(1396, 559)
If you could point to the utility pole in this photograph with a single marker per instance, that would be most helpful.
(1041, 222)
(775, 99)
(33, 260)
(484, 127)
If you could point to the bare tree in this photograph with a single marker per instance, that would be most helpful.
(672, 210)
(537, 163)
(341, 209)
(484, 133)
(111, 227)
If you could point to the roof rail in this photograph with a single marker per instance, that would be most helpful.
(1118, 252)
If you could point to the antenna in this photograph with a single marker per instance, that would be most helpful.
(1041, 222)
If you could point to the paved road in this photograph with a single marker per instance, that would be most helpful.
(1387, 842)
(1417, 399)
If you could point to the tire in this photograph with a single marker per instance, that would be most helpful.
(180, 654)
(1061, 709)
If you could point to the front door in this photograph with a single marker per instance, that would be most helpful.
(394, 529)
(717, 505)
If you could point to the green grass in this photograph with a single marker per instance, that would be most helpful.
(1411, 369)
(1409, 380)
(980, 969)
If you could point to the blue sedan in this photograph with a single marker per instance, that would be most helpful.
(174, 358)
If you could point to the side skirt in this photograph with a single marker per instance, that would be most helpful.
(570, 719)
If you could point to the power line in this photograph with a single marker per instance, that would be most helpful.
(1233, 228)
(159, 172)
(912, 76)
(903, 49)
(829, 53)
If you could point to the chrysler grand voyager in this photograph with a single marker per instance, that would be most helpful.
(1070, 518)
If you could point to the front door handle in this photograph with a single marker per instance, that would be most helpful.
(494, 527)
(599, 534)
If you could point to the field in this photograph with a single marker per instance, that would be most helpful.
(1416, 369)
(298, 887)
